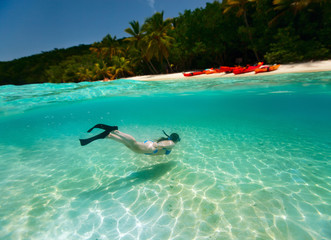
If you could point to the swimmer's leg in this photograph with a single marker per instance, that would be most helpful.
(124, 136)
(102, 135)
(125, 139)
(118, 139)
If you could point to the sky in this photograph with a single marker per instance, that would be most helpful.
(29, 27)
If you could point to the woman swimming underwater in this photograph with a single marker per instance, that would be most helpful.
(160, 147)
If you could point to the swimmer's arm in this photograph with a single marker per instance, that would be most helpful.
(165, 144)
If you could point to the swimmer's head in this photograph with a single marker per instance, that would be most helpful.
(174, 137)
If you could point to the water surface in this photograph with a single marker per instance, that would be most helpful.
(253, 163)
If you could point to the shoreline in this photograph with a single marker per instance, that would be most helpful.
(312, 66)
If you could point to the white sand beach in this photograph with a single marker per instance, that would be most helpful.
(313, 66)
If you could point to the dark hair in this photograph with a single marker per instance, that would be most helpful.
(173, 137)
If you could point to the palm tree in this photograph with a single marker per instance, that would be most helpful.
(136, 34)
(107, 48)
(121, 67)
(137, 45)
(85, 74)
(102, 71)
(96, 48)
(294, 6)
(241, 5)
(157, 40)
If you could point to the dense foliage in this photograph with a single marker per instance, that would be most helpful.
(223, 33)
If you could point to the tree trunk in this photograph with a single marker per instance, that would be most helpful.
(154, 69)
(150, 65)
(169, 65)
(250, 36)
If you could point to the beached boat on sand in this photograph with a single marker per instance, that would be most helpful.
(225, 69)
(266, 68)
(240, 70)
(190, 74)
(210, 71)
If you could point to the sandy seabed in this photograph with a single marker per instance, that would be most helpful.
(313, 66)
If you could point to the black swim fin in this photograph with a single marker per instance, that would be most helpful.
(104, 127)
(102, 135)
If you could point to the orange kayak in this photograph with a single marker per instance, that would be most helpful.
(267, 69)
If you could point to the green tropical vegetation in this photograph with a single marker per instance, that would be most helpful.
(224, 32)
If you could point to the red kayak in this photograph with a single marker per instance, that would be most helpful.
(189, 74)
(240, 70)
(225, 69)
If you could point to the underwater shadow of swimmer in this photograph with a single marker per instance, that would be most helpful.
(145, 174)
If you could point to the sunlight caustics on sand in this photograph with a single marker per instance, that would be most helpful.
(253, 163)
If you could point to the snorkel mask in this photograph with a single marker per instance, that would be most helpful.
(173, 136)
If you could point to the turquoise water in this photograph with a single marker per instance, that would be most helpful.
(253, 163)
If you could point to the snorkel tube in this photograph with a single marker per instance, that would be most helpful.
(166, 134)
(173, 136)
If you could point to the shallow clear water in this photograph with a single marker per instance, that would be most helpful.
(253, 163)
